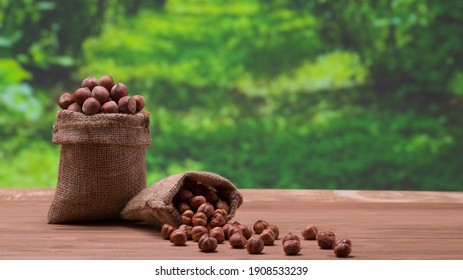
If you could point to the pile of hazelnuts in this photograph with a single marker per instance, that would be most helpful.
(101, 96)
(204, 220)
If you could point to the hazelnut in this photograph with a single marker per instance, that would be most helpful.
(211, 196)
(237, 240)
(89, 82)
(196, 201)
(247, 232)
(338, 241)
(309, 232)
(182, 207)
(259, 226)
(199, 189)
(91, 106)
(75, 107)
(187, 230)
(342, 248)
(166, 230)
(255, 245)
(110, 107)
(107, 82)
(199, 219)
(226, 227)
(127, 105)
(207, 243)
(140, 100)
(218, 234)
(178, 237)
(268, 237)
(221, 212)
(198, 231)
(206, 208)
(118, 91)
(275, 230)
(290, 236)
(222, 204)
(81, 94)
(187, 217)
(326, 239)
(65, 100)
(101, 94)
(217, 220)
(234, 228)
(184, 195)
(292, 247)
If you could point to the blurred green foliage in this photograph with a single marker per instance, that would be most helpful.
(271, 94)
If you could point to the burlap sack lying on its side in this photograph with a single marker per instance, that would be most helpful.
(102, 165)
(154, 204)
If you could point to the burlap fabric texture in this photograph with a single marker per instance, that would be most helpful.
(102, 164)
(154, 204)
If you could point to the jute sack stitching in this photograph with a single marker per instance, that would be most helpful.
(102, 164)
(154, 204)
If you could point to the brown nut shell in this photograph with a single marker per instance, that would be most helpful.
(184, 195)
(187, 217)
(140, 100)
(198, 231)
(275, 230)
(118, 91)
(259, 226)
(226, 227)
(196, 201)
(127, 105)
(217, 220)
(292, 247)
(207, 243)
(255, 245)
(101, 94)
(89, 82)
(290, 236)
(342, 249)
(309, 232)
(75, 107)
(218, 234)
(222, 204)
(178, 237)
(82, 94)
(268, 237)
(237, 240)
(206, 208)
(107, 82)
(166, 231)
(65, 100)
(211, 196)
(326, 239)
(182, 207)
(199, 219)
(91, 106)
(110, 107)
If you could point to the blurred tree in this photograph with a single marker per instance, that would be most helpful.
(409, 46)
(46, 37)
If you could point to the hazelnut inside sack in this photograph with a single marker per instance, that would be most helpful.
(167, 199)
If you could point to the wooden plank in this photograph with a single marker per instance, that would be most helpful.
(381, 225)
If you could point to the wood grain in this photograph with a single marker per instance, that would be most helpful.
(381, 225)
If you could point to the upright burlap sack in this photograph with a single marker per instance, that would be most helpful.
(154, 204)
(102, 164)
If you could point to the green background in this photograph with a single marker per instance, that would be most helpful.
(270, 94)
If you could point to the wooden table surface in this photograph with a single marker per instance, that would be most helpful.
(382, 225)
